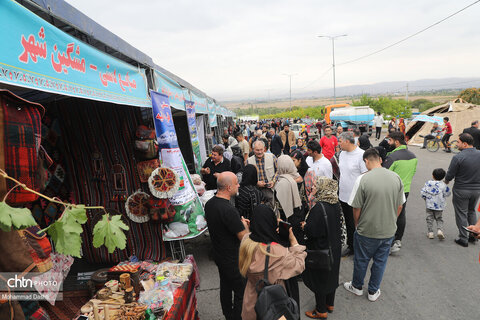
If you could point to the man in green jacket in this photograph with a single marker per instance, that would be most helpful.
(404, 163)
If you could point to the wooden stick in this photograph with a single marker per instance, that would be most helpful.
(24, 186)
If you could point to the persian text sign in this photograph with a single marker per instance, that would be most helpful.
(212, 114)
(170, 88)
(37, 55)
(200, 103)
(192, 127)
(189, 211)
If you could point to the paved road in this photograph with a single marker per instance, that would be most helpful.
(427, 279)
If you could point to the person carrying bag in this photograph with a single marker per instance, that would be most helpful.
(266, 264)
(323, 231)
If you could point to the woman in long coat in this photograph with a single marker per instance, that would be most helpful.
(323, 282)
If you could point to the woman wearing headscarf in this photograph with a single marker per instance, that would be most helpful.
(300, 163)
(364, 142)
(249, 196)
(286, 187)
(290, 206)
(284, 263)
(323, 282)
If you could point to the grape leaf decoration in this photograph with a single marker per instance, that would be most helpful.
(109, 232)
(65, 232)
(18, 218)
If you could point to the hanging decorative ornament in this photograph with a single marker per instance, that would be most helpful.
(162, 210)
(163, 182)
(137, 207)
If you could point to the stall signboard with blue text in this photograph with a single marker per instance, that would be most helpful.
(37, 55)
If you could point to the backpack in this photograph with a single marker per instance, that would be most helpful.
(273, 301)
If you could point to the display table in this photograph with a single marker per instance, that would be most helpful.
(185, 301)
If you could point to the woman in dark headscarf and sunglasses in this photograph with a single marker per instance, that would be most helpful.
(284, 263)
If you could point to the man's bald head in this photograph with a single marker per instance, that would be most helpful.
(225, 180)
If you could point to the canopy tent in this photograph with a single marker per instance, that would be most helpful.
(460, 113)
(65, 17)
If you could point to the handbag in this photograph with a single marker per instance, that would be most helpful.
(320, 259)
(273, 302)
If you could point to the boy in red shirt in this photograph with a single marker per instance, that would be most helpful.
(448, 133)
(328, 143)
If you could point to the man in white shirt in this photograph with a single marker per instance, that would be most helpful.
(317, 161)
(378, 119)
(351, 166)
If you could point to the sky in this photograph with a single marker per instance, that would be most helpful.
(242, 49)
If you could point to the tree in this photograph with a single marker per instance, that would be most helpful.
(422, 104)
(471, 95)
(386, 105)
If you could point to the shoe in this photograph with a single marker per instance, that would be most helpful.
(440, 234)
(448, 151)
(472, 239)
(314, 314)
(349, 287)
(423, 148)
(461, 243)
(330, 308)
(347, 252)
(374, 297)
(430, 235)
(397, 244)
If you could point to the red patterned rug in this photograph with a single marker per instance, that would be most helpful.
(69, 307)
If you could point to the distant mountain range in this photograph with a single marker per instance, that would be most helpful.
(386, 88)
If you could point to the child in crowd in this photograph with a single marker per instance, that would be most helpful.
(434, 192)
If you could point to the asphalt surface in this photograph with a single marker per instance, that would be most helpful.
(427, 279)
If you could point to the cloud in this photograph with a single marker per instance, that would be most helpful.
(242, 48)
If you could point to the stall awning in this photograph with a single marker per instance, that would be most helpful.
(170, 88)
(37, 55)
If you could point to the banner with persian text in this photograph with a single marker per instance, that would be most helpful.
(212, 114)
(189, 210)
(200, 103)
(170, 88)
(37, 55)
(192, 127)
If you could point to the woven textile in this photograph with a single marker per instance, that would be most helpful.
(182, 298)
(22, 134)
(89, 128)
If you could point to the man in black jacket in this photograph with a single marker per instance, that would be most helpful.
(276, 145)
(465, 169)
(475, 133)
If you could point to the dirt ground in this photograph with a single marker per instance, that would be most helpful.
(320, 102)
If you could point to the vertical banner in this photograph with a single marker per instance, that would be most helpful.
(192, 127)
(201, 137)
(212, 114)
(189, 211)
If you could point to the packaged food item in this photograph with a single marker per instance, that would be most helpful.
(161, 297)
(175, 272)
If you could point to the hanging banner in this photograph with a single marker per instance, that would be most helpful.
(212, 114)
(189, 210)
(192, 127)
(37, 55)
(201, 137)
(200, 103)
(170, 88)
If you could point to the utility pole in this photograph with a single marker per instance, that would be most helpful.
(333, 62)
(290, 76)
(406, 94)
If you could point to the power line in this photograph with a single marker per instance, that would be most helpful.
(410, 36)
(323, 74)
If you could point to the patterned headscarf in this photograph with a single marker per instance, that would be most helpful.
(327, 190)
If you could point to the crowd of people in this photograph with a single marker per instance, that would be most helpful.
(337, 192)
